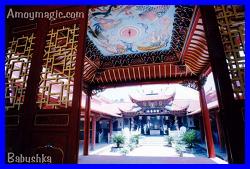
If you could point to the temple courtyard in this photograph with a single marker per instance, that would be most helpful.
(127, 84)
(152, 150)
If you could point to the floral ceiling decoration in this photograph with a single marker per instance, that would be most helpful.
(134, 34)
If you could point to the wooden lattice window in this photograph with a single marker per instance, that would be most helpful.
(231, 22)
(56, 85)
(17, 65)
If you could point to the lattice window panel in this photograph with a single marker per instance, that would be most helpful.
(56, 85)
(231, 22)
(17, 65)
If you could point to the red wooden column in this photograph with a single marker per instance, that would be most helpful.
(78, 85)
(206, 123)
(231, 118)
(110, 128)
(87, 124)
(201, 128)
(93, 132)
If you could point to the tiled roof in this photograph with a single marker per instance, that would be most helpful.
(151, 97)
(105, 106)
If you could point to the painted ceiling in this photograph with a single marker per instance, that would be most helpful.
(137, 35)
(122, 30)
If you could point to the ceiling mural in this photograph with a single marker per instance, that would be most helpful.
(139, 34)
(117, 30)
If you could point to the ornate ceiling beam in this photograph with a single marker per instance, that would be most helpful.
(194, 21)
(145, 82)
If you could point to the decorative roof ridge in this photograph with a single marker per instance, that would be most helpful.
(169, 96)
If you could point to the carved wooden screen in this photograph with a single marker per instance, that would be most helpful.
(17, 65)
(19, 52)
(55, 96)
(56, 85)
(231, 22)
(55, 90)
(51, 70)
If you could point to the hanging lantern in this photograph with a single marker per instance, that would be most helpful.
(158, 117)
(148, 117)
(140, 117)
(166, 117)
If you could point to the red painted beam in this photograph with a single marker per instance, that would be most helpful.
(95, 113)
(144, 82)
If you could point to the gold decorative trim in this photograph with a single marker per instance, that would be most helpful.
(150, 48)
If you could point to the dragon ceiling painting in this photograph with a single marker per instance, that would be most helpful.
(131, 29)
(119, 32)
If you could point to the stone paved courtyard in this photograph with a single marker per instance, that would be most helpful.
(151, 149)
(152, 146)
